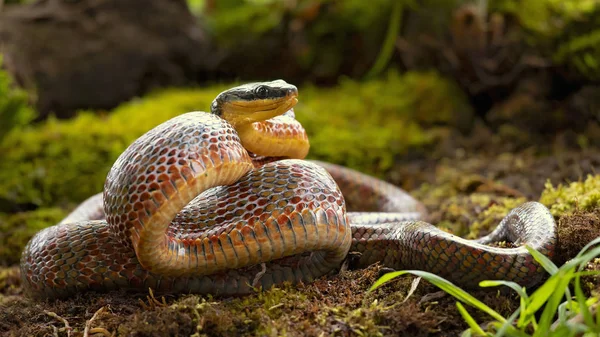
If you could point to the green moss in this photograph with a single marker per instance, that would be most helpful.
(10, 280)
(233, 19)
(564, 199)
(14, 104)
(60, 162)
(16, 229)
(367, 125)
(466, 204)
(492, 215)
(361, 321)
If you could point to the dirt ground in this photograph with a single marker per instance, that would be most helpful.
(461, 196)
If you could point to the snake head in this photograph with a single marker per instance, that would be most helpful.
(254, 102)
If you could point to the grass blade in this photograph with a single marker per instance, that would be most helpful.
(523, 300)
(553, 302)
(513, 285)
(543, 293)
(446, 286)
(507, 326)
(470, 320)
(543, 260)
(583, 306)
(582, 259)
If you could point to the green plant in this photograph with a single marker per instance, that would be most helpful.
(566, 31)
(546, 17)
(537, 311)
(196, 6)
(233, 19)
(387, 48)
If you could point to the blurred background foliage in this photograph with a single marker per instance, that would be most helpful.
(15, 109)
(566, 31)
(381, 82)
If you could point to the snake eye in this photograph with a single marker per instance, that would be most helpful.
(214, 108)
(262, 92)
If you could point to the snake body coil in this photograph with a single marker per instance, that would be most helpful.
(189, 209)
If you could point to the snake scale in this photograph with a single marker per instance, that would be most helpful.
(222, 203)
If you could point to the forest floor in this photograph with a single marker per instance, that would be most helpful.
(467, 194)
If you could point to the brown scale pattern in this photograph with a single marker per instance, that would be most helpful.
(202, 219)
(74, 257)
(300, 232)
(424, 247)
(270, 191)
(162, 167)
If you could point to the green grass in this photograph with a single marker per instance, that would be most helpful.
(550, 310)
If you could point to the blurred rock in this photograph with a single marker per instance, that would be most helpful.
(97, 53)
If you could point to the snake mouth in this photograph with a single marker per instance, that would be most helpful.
(246, 112)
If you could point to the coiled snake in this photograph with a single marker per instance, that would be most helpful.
(221, 202)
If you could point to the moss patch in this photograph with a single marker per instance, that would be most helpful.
(60, 162)
(10, 281)
(467, 204)
(366, 126)
(14, 104)
(577, 207)
(564, 199)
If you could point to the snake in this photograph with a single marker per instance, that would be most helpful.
(224, 203)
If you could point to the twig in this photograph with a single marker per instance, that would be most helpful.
(413, 288)
(88, 324)
(103, 331)
(259, 275)
(153, 303)
(432, 296)
(64, 321)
